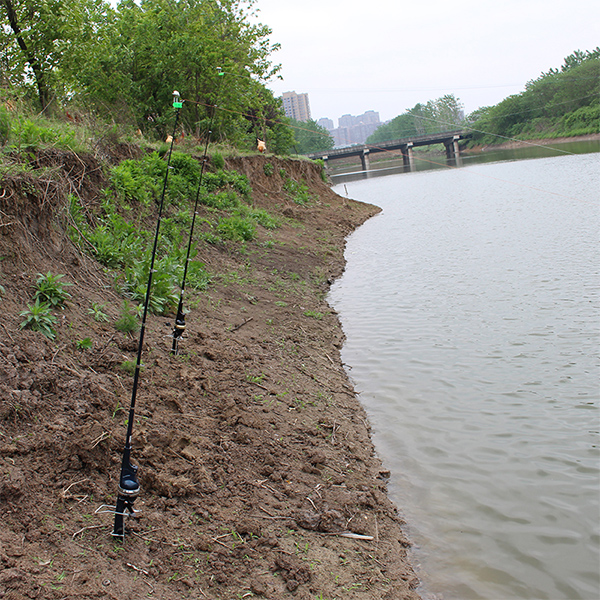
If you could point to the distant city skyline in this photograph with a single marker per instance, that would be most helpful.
(352, 129)
(391, 55)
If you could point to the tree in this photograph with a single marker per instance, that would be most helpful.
(38, 38)
(443, 114)
(309, 137)
(162, 45)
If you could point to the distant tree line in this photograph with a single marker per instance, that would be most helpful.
(435, 116)
(123, 63)
(561, 102)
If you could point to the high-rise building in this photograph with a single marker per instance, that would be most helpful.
(296, 106)
(326, 123)
(355, 130)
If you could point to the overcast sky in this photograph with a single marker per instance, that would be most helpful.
(351, 56)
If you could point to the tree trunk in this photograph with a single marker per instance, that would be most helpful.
(44, 91)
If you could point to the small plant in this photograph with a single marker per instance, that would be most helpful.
(4, 125)
(218, 160)
(298, 190)
(85, 344)
(314, 314)
(268, 169)
(127, 322)
(128, 366)
(38, 317)
(50, 290)
(97, 311)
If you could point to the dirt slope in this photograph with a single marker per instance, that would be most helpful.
(254, 452)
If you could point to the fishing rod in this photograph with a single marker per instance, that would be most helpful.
(180, 318)
(129, 487)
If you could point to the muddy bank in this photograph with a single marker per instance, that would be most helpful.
(258, 475)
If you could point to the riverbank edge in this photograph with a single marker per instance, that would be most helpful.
(513, 144)
(258, 472)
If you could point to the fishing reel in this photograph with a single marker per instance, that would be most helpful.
(129, 490)
(179, 328)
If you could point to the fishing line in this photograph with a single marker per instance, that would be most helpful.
(420, 158)
(129, 487)
(180, 318)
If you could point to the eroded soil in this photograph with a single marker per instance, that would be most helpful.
(258, 475)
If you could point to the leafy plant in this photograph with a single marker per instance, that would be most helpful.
(218, 160)
(236, 228)
(97, 311)
(50, 290)
(128, 366)
(298, 190)
(38, 317)
(85, 344)
(127, 322)
(314, 314)
(4, 125)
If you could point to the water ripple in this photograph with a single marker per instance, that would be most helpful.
(471, 316)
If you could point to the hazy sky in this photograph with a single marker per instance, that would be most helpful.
(386, 55)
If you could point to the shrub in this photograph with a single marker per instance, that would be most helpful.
(127, 322)
(97, 311)
(218, 160)
(4, 125)
(49, 290)
(236, 228)
(38, 317)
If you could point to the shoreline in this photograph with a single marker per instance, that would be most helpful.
(259, 476)
(512, 144)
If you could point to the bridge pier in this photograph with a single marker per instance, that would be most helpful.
(407, 156)
(452, 150)
(364, 159)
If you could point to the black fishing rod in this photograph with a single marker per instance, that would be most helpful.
(129, 487)
(180, 319)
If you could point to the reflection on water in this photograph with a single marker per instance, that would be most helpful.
(470, 306)
(428, 161)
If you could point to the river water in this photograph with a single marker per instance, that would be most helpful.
(471, 311)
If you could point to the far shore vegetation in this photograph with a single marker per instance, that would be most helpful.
(563, 102)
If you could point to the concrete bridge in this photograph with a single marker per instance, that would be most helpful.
(450, 139)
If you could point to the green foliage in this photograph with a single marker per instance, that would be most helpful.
(42, 43)
(39, 317)
(298, 191)
(97, 311)
(268, 169)
(119, 239)
(310, 137)
(127, 322)
(559, 103)
(218, 161)
(149, 49)
(163, 296)
(51, 291)
(124, 61)
(443, 114)
(4, 125)
(85, 344)
(236, 228)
